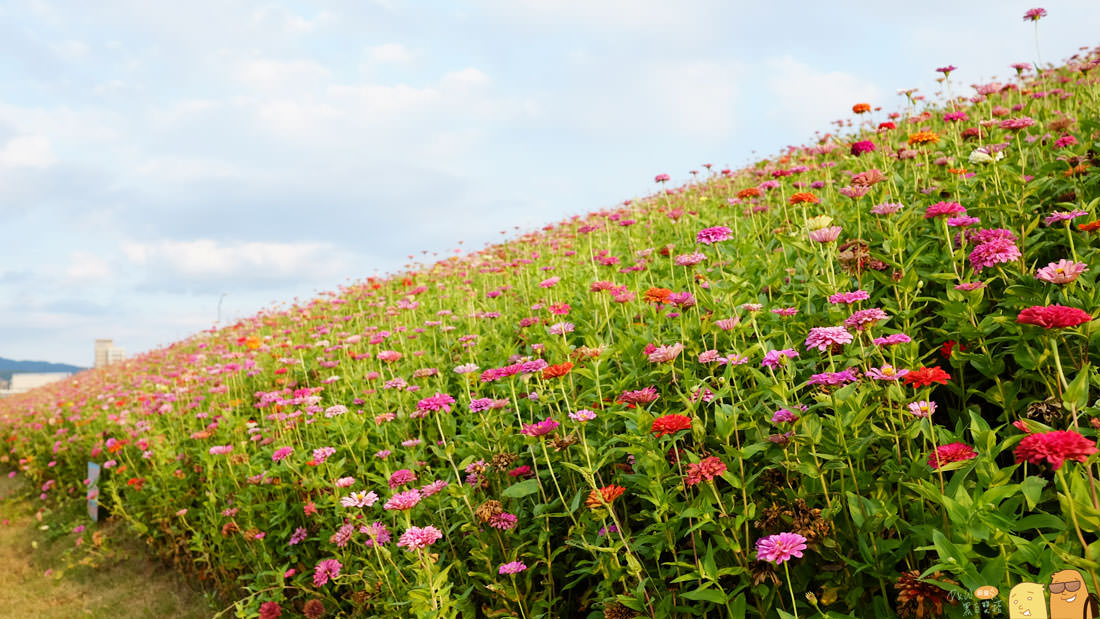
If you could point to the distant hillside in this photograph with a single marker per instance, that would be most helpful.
(10, 366)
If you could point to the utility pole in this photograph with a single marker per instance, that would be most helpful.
(220, 307)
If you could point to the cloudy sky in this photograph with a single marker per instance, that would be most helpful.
(156, 155)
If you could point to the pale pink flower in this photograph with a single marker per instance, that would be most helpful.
(1061, 272)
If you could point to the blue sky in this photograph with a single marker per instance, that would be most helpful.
(155, 155)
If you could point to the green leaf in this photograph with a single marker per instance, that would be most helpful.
(1076, 396)
(1032, 489)
(702, 594)
(522, 489)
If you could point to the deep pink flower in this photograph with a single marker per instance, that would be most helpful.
(862, 146)
(546, 426)
(863, 319)
(704, 470)
(325, 570)
(822, 338)
(403, 500)
(951, 452)
(849, 297)
(998, 251)
(716, 234)
(514, 567)
(281, 453)
(1035, 14)
(1053, 316)
(780, 548)
(943, 208)
(825, 235)
(401, 477)
(416, 538)
(1054, 447)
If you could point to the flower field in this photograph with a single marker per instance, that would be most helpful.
(855, 379)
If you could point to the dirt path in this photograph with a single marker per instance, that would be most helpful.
(37, 580)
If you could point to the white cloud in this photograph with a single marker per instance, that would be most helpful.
(86, 266)
(808, 98)
(206, 259)
(32, 151)
(269, 74)
(70, 50)
(465, 78)
(390, 54)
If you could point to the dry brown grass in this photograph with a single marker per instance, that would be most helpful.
(127, 586)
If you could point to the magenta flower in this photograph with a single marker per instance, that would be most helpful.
(544, 427)
(778, 358)
(503, 521)
(833, 379)
(780, 548)
(1035, 14)
(220, 450)
(298, 536)
(514, 567)
(439, 401)
(1057, 216)
(716, 234)
(827, 337)
(416, 538)
(1061, 272)
(892, 339)
(325, 570)
(969, 286)
(951, 452)
(784, 415)
(640, 396)
(946, 70)
(940, 209)
(886, 208)
(547, 283)
(862, 146)
(281, 453)
(376, 532)
(997, 251)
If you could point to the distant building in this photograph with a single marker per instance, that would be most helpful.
(107, 353)
(22, 383)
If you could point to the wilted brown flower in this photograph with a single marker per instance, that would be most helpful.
(1047, 411)
(488, 509)
(504, 461)
(314, 609)
(562, 442)
(920, 598)
(797, 518)
(615, 610)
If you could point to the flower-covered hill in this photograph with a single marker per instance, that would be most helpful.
(856, 378)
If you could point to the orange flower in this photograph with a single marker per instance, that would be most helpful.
(556, 371)
(959, 171)
(750, 192)
(923, 137)
(657, 295)
(604, 496)
(253, 342)
(804, 196)
(670, 424)
(1090, 226)
(861, 108)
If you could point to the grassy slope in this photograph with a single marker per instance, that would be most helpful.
(130, 586)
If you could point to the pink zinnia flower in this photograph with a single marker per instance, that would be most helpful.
(345, 482)
(886, 373)
(281, 453)
(995, 252)
(1061, 272)
(401, 477)
(376, 532)
(1058, 216)
(780, 548)
(892, 339)
(827, 337)
(784, 415)
(582, 415)
(849, 297)
(561, 328)
(969, 286)
(943, 208)
(1055, 447)
(220, 450)
(687, 260)
(325, 570)
(717, 234)
(951, 452)
(664, 354)
(863, 319)
(834, 378)
(503, 521)
(1015, 124)
(727, 323)
(778, 358)
(1035, 14)
(439, 401)
(862, 146)
(547, 283)
(359, 499)
(416, 538)
(546, 426)
(922, 408)
(704, 470)
(825, 235)
(403, 500)
(886, 208)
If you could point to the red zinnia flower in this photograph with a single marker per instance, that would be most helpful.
(670, 424)
(557, 371)
(861, 108)
(607, 493)
(951, 452)
(804, 196)
(1053, 316)
(1055, 447)
(657, 295)
(750, 192)
(922, 377)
